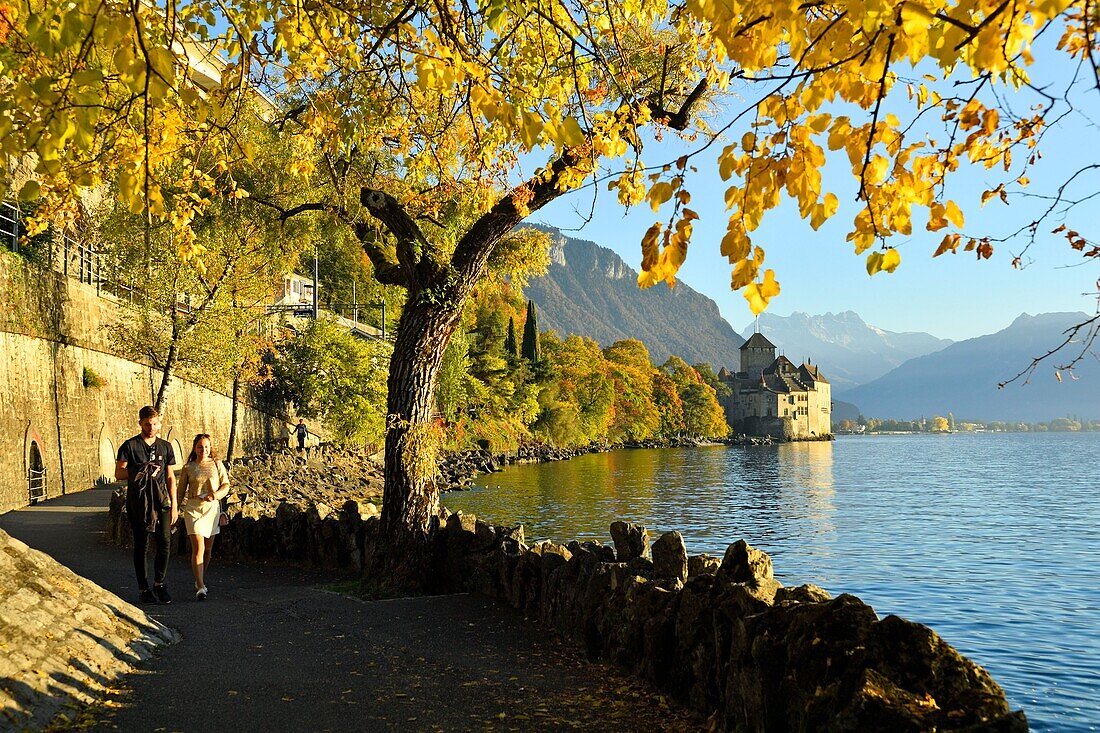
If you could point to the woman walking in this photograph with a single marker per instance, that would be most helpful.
(204, 482)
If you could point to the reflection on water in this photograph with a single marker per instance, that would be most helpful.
(989, 539)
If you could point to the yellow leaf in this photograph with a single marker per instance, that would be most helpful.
(758, 294)
(735, 245)
(954, 214)
(878, 261)
(915, 19)
(936, 218)
(571, 133)
(650, 247)
(743, 273)
(660, 193)
(890, 260)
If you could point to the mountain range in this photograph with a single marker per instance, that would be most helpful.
(963, 378)
(849, 351)
(589, 290)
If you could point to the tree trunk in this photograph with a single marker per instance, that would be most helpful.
(166, 373)
(410, 507)
(232, 442)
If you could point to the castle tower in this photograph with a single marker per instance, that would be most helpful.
(757, 354)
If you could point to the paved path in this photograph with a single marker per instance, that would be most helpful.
(272, 651)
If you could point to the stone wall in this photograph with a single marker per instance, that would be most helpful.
(52, 329)
(721, 636)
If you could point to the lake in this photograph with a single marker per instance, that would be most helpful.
(991, 539)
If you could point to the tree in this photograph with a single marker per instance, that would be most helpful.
(407, 123)
(511, 348)
(329, 374)
(529, 349)
(189, 319)
(633, 413)
(703, 416)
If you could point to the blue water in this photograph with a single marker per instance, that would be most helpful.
(993, 540)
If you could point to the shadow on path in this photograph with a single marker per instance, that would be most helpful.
(270, 651)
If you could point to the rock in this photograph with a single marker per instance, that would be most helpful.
(703, 565)
(631, 540)
(752, 568)
(743, 564)
(802, 594)
(670, 557)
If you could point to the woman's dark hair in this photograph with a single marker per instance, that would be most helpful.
(195, 442)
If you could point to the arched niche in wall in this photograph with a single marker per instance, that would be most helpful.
(34, 466)
(177, 447)
(106, 457)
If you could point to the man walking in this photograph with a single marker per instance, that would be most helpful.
(147, 463)
(302, 431)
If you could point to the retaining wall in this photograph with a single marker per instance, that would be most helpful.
(52, 329)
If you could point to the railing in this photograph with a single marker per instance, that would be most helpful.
(9, 226)
(92, 266)
(36, 484)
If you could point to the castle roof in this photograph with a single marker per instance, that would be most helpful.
(757, 341)
(811, 373)
(784, 377)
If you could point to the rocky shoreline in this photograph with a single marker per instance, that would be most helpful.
(458, 470)
(720, 635)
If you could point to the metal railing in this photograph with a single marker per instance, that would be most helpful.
(36, 484)
(10, 222)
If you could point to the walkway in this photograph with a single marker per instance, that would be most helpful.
(272, 651)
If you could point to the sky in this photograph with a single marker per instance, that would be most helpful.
(952, 296)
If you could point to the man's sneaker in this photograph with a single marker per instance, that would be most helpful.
(200, 594)
(161, 593)
(147, 596)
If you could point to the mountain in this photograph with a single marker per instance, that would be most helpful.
(590, 291)
(848, 350)
(963, 377)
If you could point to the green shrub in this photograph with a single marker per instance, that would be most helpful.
(92, 380)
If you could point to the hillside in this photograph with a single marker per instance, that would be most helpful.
(963, 378)
(590, 291)
(849, 351)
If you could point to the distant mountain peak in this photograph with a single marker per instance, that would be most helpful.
(589, 290)
(963, 378)
(848, 349)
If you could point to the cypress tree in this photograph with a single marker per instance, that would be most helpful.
(530, 348)
(511, 348)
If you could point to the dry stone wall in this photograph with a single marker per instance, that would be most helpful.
(52, 329)
(720, 635)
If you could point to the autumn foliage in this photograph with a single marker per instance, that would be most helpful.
(443, 103)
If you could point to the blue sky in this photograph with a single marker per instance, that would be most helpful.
(952, 296)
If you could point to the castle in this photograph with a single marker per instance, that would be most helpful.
(772, 396)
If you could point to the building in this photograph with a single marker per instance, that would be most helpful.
(772, 396)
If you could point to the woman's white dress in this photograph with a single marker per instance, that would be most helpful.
(197, 480)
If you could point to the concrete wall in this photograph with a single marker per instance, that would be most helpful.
(52, 328)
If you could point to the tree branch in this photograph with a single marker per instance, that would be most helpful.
(680, 119)
(387, 270)
(477, 244)
(413, 248)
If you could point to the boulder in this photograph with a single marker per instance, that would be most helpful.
(670, 558)
(631, 540)
(753, 568)
(703, 565)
